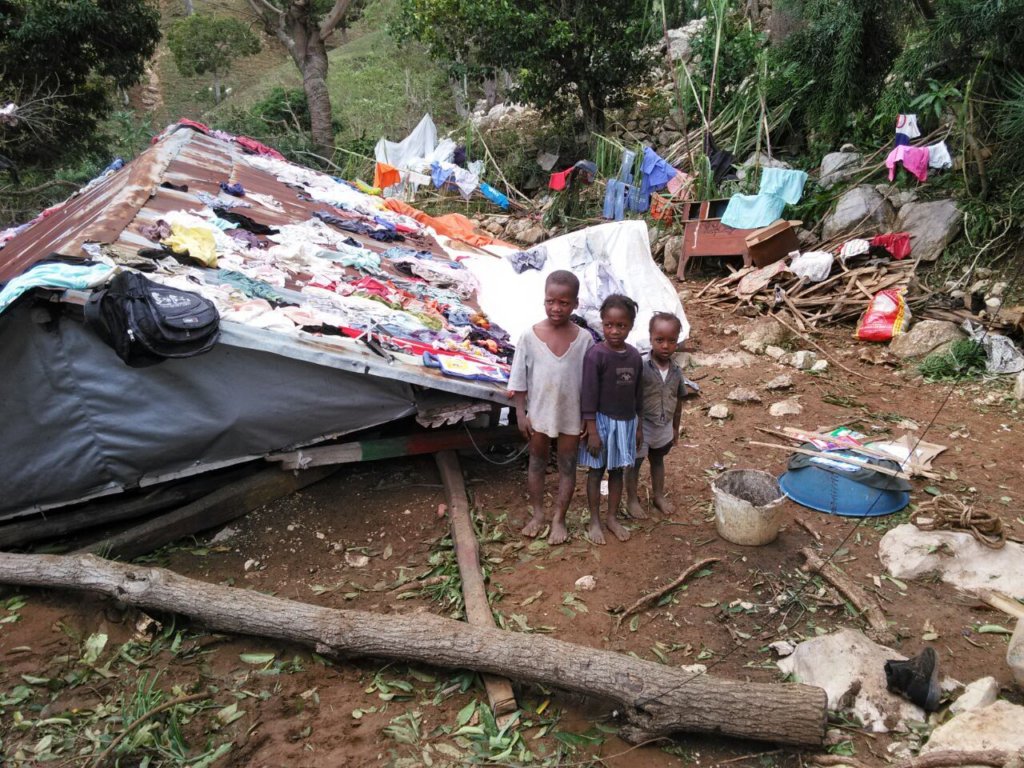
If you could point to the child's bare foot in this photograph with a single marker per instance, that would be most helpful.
(617, 528)
(636, 510)
(534, 526)
(663, 505)
(559, 533)
(596, 532)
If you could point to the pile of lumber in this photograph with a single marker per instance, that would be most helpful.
(842, 297)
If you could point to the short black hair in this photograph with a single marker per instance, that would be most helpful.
(667, 317)
(565, 278)
(619, 301)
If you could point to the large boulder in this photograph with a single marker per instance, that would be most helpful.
(673, 251)
(837, 167)
(851, 670)
(932, 226)
(998, 726)
(858, 210)
(926, 337)
(956, 556)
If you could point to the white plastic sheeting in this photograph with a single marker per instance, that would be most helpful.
(608, 258)
(413, 155)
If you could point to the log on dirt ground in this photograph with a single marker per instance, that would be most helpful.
(215, 509)
(655, 699)
(858, 598)
(467, 553)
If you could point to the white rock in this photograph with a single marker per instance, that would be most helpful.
(851, 669)
(997, 726)
(782, 381)
(693, 669)
(978, 694)
(723, 359)
(743, 395)
(356, 560)
(789, 407)
(909, 553)
(803, 360)
(251, 564)
(775, 353)
(782, 647)
(586, 583)
(719, 411)
(821, 366)
(225, 534)
(762, 333)
(1015, 653)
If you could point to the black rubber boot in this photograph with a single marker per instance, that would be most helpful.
(916, 679)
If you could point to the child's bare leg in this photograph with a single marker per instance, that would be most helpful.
(540, 446)
(614, 497)
(665, 506)
(595, 531)
(568, 446)
(633, 505)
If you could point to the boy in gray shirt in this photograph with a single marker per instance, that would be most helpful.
(663, 391)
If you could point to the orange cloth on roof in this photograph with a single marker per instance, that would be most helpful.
(385, 175)
(453, 225)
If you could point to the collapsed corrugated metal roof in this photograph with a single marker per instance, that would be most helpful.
(184, 170)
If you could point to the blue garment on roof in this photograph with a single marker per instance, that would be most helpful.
(235, 190)
(54, 275)
(493, 195)
(753, 211)
(786, 183)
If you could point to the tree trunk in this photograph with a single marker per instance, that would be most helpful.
(656, 699)
(299, 32)
(459, 97)
(189, 8)
(314, 83)
(216, 87)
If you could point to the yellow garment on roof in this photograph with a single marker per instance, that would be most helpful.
(197, 242)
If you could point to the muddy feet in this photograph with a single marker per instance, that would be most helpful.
(663, 505)
(595, 532)
(636, 510)
(617, 528)
(559, 533)
(535, 525)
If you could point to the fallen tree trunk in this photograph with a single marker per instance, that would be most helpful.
(655, 699)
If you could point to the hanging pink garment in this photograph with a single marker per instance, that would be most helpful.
(914, 159)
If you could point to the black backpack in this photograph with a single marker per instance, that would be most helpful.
(146, 322)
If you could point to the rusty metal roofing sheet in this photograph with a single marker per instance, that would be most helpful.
(113, 209)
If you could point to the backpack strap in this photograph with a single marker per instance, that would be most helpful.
(94, 316)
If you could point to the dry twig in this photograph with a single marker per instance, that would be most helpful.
(652, 596)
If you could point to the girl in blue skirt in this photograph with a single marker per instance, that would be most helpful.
(611, 401)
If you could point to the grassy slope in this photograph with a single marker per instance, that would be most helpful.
(377, 87)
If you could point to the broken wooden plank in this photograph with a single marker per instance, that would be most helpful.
(215, 509)
(832, 456)
(467, 554)
(654, 699)
(393, 447)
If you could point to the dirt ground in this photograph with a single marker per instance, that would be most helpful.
(350, 540)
